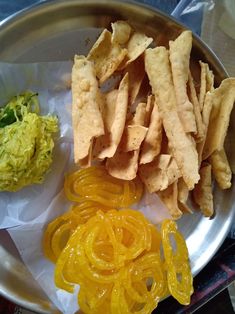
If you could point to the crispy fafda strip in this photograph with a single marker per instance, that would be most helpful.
(170, 198)
(206, 111)
(136, 46)
(140, 115)
(108, 112)
(202, 92)
(221, 169)
(207, 86)
(160, 173)
(133, 136)
(223, 99)
(106, 56)
(207, 82)
(85, 108)
(151, 146)
(229, 143)
(121, 32)
(183, 146)
(183, 193)
(124, 164)
(197, 111)
(136, 73)
(180, 50)
(149, 108)
(202, 193)
(108, 115)
(209, 79)
(115, 121)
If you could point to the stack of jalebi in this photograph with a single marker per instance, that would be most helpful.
(94, 183)
(115, 255)
(115, 258)
(92, 189)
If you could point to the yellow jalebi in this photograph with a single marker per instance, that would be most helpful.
(179, 277)
(115, 255)
(94, 183)
(93, 189)
(60, 229)
(113, 259)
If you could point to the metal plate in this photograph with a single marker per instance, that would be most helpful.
(56, 30)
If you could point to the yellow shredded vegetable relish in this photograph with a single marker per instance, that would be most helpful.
(26, 143)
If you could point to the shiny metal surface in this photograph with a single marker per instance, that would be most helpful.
(56, 30)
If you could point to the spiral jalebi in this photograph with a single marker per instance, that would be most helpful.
(94, 183)
(112, 258)
(60, 229)
(179, 277)
(114, 255)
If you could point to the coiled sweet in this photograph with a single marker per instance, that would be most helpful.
(179, 277)
(115, 255)
(94, 183)
(113, 259)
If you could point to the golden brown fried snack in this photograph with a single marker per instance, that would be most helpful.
(136, 46)
(106, 56)
(136, 73)
(115, 120)
(121, 32)
(221, 169)
(180, 50)
(196, 107)
(151, 146)
(124, 164)
(202, 192)
(170, 198)
(183, 194)
(85, 108)
(183, 146)
(160, 173)
(223, 99)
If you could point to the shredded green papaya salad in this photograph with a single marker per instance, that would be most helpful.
(26, 142)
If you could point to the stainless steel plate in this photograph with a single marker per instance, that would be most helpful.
(56, 30)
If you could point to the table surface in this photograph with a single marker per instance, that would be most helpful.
(220, 272)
